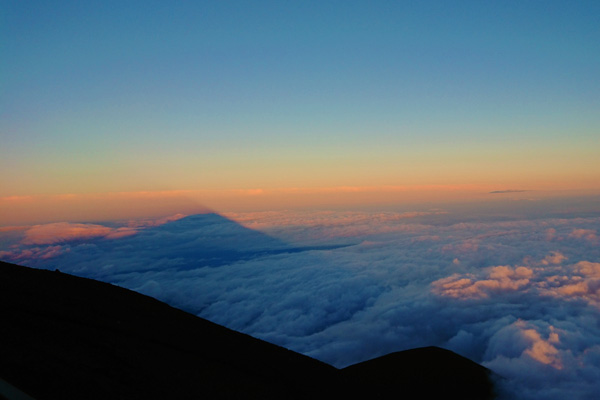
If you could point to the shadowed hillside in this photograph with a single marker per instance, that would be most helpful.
(428, 372)
(65, 337)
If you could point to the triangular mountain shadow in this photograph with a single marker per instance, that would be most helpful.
(218, 240)
(196, 241)
(66, 337)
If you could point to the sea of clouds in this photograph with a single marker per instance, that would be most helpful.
(519, 294)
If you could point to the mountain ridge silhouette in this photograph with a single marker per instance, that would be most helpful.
(67, 337)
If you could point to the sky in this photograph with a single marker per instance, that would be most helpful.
(220, 102)
(345, 179)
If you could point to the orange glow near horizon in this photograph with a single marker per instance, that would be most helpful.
(26, 210)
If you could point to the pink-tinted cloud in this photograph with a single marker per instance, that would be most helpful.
(64, 231)
(499, 279)
(580, 281)
(587, 234)
(42, 253)
(588, 269)
(555, 257)
(543, 350)
(523, 342)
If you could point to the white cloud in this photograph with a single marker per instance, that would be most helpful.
(587, 234)
(63, 232)
(520, 296)
(500, 279)
(32, 253)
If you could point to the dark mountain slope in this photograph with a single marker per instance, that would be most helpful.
(428, 373)
(65, 337)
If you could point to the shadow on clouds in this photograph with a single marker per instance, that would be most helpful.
(196, 241)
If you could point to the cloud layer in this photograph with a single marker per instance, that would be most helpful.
(66, 232)
(519, 295)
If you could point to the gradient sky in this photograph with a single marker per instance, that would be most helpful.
(446, 154)
(242, 98)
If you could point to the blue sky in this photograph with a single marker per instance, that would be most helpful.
(235, 95)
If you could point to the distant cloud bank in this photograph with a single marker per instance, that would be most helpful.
(508, 191)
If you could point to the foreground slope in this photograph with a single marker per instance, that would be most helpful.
(427, 373)
(74, 338)
(65, 337)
